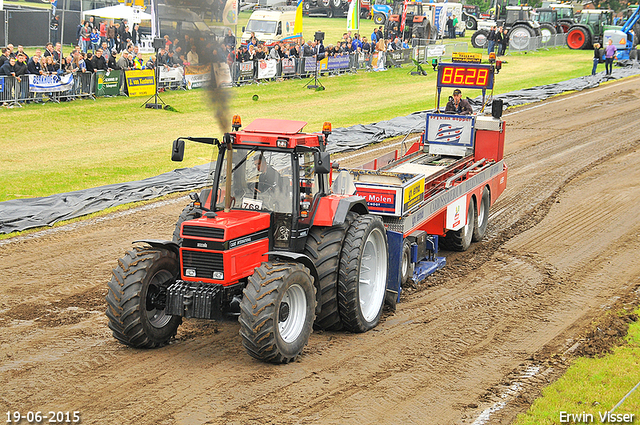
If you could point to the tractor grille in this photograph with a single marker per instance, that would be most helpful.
(203, 232)
(204, 263)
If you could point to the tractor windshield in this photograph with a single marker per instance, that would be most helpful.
(260, 180)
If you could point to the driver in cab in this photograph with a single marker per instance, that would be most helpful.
(458, 105)
(269, 177)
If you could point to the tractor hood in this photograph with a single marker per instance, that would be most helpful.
(235, 227)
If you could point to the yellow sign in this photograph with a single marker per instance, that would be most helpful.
(413, 194)
(466, 57)
(140, 82)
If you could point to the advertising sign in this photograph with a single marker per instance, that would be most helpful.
(246, 70)
(108, 83)
(449, 134)
(171, 75)
(197, 75)
(140, 82)
(457, 214)
(1, 84)
(288, 66)
(267, 68)
(338, 62)
(382, 201)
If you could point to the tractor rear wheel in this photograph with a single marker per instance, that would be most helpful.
(482, 218)
(188, 213)
(363, 274)
(136, 286)
(577, 38)
(277, 312)
(460, 240)
(471, 24)
(379, 19)
(520, 38)
(479, 39)
(323, 247)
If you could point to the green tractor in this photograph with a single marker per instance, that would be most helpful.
(589, 29)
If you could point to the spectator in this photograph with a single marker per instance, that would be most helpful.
(192, 56)
(57, 54)
(381, 48)
(609, 55)
(491, 39)
(8, 68)
(498, 40)
(21, 65)
(455, 24)
(449, 26)
(123, 62)
(135, 35)
(88, 62)
(79, 33)
(162, 56)
(111, 36)
(171, 61)
(103, 32)
(6, 54)
(356, 44)
(99, 62)
(85, 35)
(34, 67)
(260, 53)
(230, 39)
(294, 51)
(95, 39)
(105, 51)
(366, 46)
(21, 51)
(125, 38)
(405, 44)
(49, 67)
(151, 63)
(92, 24)
(374, 36)
(53, 27)
(505, 41)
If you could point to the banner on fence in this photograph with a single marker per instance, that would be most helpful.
(398, 57)
(1, 84)
(50, 83)
(197, 75)
(140, 82)
(246, 70)
(267, 68)
(171, 75)
(309, 64)
(338, 62)
(108, 83)
(436, 50)
(419, 53)
(288, 66)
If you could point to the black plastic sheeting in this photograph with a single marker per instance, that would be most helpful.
(23, 214)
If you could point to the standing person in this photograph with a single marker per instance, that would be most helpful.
(111, 36)
(505, 41)
(135, 35)
(85, 34)
(609, 56)
(455, 24)
(381, 48)
(53, 27)
(449, 25)
(95, 40)
(597, 55)
(491, 40)
(498, 41)
(103, 32)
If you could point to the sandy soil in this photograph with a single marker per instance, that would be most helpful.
(475, 343)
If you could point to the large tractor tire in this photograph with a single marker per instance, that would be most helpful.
(578, 38)
(407, 267)
(520, 38)
(136, 284)
(188, 213)
(336, 3)
(547, 32)
(479, 39)
(379, 19)
(324, 245)
(460, 240)
(482, 218)
(277, 312)
(329, 13)
(363, 274)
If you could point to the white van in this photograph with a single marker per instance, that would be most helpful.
(271, 26)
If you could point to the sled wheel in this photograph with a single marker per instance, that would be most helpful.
(363, 274)
(460, 240)
(277, 312)
(137, 284)
(482, 218)
(407, 266)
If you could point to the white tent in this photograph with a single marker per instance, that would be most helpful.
(119, 11)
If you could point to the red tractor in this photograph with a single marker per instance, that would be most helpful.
(272, 245)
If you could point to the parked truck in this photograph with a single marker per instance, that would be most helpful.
(285, 241)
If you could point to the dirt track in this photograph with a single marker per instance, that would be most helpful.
(562, 247)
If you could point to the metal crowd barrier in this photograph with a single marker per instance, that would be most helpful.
(537, 43)
(16, 90)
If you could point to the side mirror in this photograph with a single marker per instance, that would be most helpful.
(243, 29)
(322, 162)
(177, 152)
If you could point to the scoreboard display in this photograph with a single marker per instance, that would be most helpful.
(465, 75)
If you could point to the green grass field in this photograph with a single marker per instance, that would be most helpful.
(593, 386)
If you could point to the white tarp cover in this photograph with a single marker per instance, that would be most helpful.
(119, 11)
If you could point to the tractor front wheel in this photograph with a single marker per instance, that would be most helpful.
(479, 39)
(277, 312)
(188, 213)
(363, 274)
(379, 19)
(135, 297)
